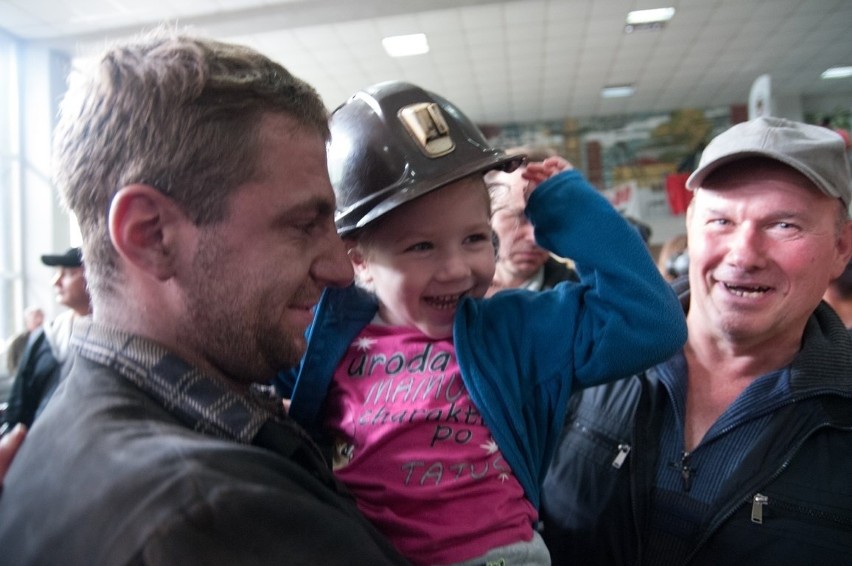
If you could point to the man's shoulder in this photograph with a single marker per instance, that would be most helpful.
(825, 359)
(615, 396)
(129, 474)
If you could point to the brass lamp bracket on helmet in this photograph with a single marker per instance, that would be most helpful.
(426, 124)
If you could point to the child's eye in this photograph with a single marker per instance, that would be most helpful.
(420, 247)
(475, 238)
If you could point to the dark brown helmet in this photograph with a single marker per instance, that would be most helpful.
(393, 142)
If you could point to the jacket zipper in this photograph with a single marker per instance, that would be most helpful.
(621, 450)
(744, 499)
(757, 504)
(760, 501)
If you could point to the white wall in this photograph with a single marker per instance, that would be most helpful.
(41, 225)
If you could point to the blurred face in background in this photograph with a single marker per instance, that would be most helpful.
(70, 285)
(518, 256)
(33, 318)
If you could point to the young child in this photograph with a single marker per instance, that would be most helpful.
(443, 407)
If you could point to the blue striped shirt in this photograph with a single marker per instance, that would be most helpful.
(687, 485)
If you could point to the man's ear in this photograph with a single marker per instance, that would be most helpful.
(144, 226)
(844, 248)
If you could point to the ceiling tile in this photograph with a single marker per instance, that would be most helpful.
(526, 53)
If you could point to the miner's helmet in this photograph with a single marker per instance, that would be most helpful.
(393, 142)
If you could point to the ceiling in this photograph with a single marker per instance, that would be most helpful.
(500, 61)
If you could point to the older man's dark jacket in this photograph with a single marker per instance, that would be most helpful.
(790, 502)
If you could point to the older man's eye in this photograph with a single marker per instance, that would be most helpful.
(786, 227)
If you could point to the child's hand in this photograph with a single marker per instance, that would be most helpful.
(538, 172)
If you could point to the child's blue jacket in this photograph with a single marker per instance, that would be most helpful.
(521, 353)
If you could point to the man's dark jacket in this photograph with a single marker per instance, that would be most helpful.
(790, 502)
(556, 272)
(109, 476)
(36, 379)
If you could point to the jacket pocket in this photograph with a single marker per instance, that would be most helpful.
(587, 469)
(778, 508)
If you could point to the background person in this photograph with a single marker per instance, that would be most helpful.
(673, 259)
(207, 221)
(521, 262)
(839, 296)
(40, 368)
(734, 450)
(33, 319)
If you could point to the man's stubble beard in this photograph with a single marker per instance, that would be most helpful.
(233, 326)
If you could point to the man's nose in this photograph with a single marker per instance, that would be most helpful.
(453, 265)
(746, 248)
(332, 267)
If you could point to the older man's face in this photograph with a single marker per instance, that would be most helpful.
(763, 245)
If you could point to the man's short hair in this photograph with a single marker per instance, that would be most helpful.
(178, 113)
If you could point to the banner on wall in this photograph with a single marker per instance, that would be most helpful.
(677, 194)
(625, 198)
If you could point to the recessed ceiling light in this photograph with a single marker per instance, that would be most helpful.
(617, 91)
(648, 20)
(405, 45)
(837, 73)
(650, 16)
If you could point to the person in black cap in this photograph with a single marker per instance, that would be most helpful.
(40, 367)
(73, 257)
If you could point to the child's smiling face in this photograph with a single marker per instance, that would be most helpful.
(423, 257)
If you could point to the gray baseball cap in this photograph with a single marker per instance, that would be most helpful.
(816, 152)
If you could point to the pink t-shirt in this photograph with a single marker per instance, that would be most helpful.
(413, 449)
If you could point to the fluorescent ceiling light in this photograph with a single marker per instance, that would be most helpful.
(837, 73)
(405, 45)
(639, 17)
(617, 91)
